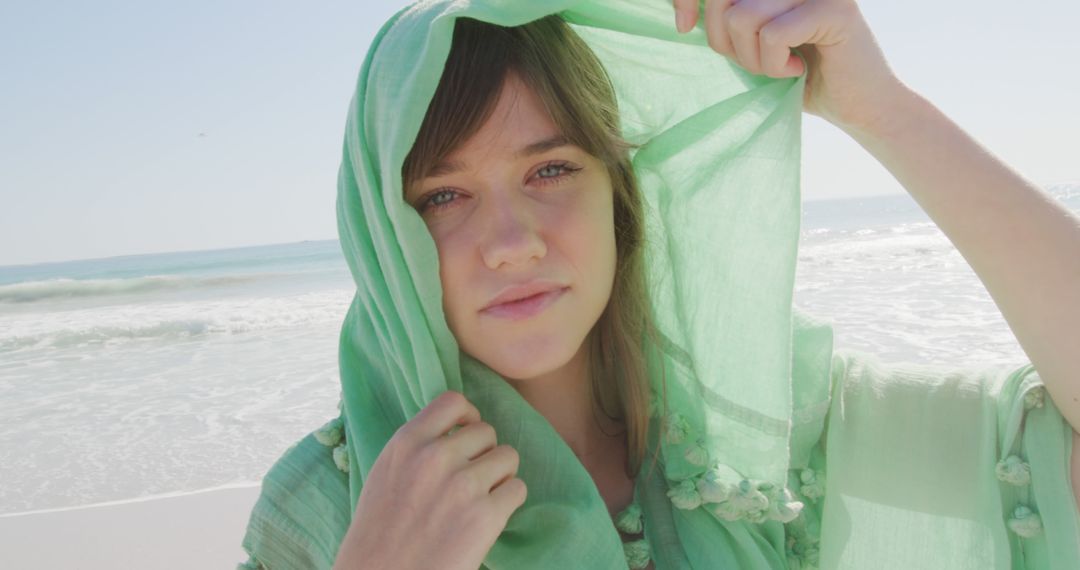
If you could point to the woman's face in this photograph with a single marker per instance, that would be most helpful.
(510, 212)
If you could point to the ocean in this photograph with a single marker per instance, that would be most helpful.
(148, 375)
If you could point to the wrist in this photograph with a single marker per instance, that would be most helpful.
(901, 109)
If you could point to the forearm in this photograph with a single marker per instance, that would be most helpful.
(1023, 244)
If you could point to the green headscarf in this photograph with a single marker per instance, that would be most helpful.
(718, 168)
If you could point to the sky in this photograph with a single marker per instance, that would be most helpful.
(140, 127)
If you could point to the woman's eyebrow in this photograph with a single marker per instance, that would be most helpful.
(542, 146)
(451, 166)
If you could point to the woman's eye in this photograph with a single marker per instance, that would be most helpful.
(445, 193)
(548, 174)
(556, 170)
(433, 202)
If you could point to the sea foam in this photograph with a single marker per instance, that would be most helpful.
(63, 288)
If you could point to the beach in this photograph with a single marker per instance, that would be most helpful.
(193, 530)
(144, 397)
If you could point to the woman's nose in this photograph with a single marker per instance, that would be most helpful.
(512, 235)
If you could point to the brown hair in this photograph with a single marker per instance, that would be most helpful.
(578, 95)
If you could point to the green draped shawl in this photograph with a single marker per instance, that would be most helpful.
(780, 452)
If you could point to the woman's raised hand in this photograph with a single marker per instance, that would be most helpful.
(432, 499)
(849, 82)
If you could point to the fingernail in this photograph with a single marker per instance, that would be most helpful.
(681, 22)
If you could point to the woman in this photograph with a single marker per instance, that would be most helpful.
(654, 401)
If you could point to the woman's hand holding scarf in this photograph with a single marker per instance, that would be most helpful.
(1009, 230)
(433, 499)
(849, 82)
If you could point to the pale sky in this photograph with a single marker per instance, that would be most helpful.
(134, 127)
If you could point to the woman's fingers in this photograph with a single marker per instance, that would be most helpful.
(757, 34)
(796, 27)
(743, 22)
(686, 13)
(716, 27)
(446, 411)
(509, 495)
(472, 441)
(494, 467)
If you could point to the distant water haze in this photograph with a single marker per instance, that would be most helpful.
(143, 375)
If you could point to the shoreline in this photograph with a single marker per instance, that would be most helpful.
(171, 495)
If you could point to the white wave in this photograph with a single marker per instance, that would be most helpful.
(1064, 191)
(108, 325)
(32, 291)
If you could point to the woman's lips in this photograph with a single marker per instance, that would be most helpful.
(525, 308)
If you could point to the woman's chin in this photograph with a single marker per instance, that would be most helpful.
(527, 369)
(531, 359)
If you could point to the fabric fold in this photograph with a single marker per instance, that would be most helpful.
(918, 455)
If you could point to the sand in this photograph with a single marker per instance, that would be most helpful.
(193, 530)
